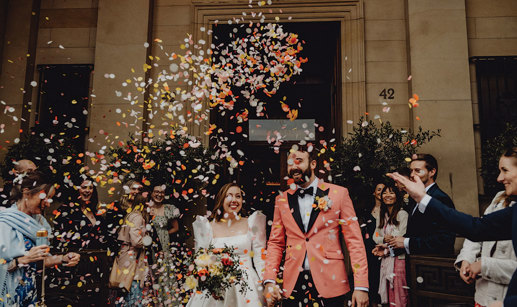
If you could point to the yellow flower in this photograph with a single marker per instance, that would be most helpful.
(204, 260)
(190, 282)
(214, 269)
(324, 203)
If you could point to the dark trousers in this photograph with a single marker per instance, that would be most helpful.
(305, 294)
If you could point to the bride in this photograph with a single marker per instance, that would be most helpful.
(227, 226)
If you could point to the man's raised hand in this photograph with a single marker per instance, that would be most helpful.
(415, 187)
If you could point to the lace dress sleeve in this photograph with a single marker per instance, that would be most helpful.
(202, 232)
(257, 229)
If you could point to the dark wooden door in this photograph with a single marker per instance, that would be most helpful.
(315, 93)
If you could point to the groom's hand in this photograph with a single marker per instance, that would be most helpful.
(360, 298)
(272, 294)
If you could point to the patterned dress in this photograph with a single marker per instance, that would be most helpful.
(164, 250)
(161, 224)
(26, 290)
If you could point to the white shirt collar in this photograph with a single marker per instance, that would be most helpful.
(429, 186)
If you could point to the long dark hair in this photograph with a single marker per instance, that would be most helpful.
(218, 211)
(397, 206)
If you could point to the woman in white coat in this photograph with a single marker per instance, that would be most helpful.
(492, 263)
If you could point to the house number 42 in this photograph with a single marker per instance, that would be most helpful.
(388, 93)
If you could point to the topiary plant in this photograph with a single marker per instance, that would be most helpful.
(180, 162)
(54, 155)
(369, 152)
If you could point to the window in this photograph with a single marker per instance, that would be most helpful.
(63, 101)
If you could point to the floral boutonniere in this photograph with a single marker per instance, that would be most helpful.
(322, 203)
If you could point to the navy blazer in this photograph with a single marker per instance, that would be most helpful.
(499, 225)
(428, 235)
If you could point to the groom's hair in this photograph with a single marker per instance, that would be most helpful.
(311, 150)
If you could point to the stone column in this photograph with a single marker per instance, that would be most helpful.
(12, 74)
(121, 34)
(440, 76)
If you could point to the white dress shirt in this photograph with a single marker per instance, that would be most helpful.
(305, 205)
(406, 240)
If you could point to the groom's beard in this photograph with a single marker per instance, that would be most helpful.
(306, 175)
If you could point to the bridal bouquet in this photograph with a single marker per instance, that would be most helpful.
(213, 270)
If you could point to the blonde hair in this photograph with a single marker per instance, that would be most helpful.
(139, 204)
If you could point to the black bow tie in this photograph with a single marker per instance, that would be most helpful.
(302, 192)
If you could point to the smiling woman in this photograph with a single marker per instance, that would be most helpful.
(228, 227)
(498, 225)
(79, 224)
(18, 227)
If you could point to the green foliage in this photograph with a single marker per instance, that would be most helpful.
(54, 155)
(369, 152)
(491, 152)
(180, 162)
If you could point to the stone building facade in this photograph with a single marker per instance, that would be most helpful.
(401, 47)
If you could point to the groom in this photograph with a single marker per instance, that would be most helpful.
(307, 224)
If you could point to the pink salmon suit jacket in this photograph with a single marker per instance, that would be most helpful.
(321, 243)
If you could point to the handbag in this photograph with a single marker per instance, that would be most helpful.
(122, 277)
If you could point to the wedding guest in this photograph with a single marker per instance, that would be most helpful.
(164, 218)
(229, 226)
(498, 225)
(393, 285)
(165, 227)
(372, 235)
(116, 211)
(132, 188)
(21, 167)
(489, 264)
(425, 235)
(79, 225)
(132, 234)
(19, 224)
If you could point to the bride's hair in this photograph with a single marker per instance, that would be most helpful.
(218, 211)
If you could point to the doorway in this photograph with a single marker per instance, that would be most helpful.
(315, 93)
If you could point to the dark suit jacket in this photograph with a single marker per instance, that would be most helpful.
(427, 235)
(500, 225)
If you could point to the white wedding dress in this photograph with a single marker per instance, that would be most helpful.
(249, 248)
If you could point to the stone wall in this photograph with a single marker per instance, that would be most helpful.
(491, 31)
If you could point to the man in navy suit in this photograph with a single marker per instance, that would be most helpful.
(500, 225)
(425, 235)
